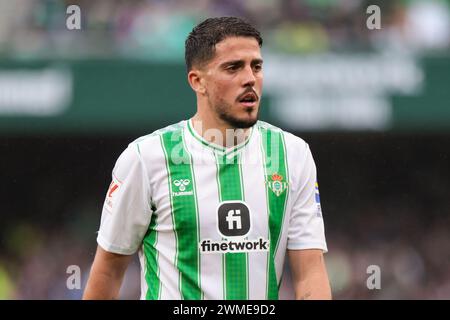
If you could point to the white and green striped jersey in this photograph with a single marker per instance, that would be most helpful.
(211, 222)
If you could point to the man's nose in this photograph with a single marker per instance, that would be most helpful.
(249, 78)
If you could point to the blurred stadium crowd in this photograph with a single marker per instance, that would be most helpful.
(157, 28)
(392, 211)
(385, 203)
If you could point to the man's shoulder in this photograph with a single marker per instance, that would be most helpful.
(289, 138)
(145, 146)
(154, 137)
(157, 133)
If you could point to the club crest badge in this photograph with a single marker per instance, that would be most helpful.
(277, 185)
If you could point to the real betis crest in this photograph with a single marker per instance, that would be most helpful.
(277, 185)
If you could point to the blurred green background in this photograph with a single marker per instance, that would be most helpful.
(374, 105)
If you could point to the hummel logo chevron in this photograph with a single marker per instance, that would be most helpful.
(181, 187)
(182, 183)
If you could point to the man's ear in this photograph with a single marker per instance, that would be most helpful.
(196, 81)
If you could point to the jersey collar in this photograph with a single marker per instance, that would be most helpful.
(215, 147)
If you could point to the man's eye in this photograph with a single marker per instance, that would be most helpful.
(233, 68)
(258, 67)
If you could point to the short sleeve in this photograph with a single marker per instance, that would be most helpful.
(126, 211)
(306, 226)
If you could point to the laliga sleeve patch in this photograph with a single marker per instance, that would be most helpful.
(112, 193)
(317, 196)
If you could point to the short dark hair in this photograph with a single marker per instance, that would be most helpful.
(201, 43)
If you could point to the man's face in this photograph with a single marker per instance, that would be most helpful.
(233, 81)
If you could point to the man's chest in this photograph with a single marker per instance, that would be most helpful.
(219, 200)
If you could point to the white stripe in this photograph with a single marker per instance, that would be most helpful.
(208, 200)
(255, 197)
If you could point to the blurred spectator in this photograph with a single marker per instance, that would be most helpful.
(155, 29)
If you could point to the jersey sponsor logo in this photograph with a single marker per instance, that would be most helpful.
(317, 195)
(209, 246)
(233, 224)
(277, 185)
(233, 219)
(182, 187)
(112, 192)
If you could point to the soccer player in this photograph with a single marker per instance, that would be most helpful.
(215, 203)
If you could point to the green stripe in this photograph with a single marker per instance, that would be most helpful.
(184, 213)
(151, 256)
(274, 154)
(230, 185)
(171, 210)
(194, 184)
(223, 256)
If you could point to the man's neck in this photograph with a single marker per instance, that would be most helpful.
(218, 131)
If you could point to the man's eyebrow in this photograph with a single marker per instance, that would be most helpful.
(240, 62)
(257, 61)
(232, 62)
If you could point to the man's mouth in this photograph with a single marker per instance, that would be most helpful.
(249, 99)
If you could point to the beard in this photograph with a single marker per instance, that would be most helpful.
(223, 111)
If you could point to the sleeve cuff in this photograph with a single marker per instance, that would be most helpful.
(107, 246)
(309, 245)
